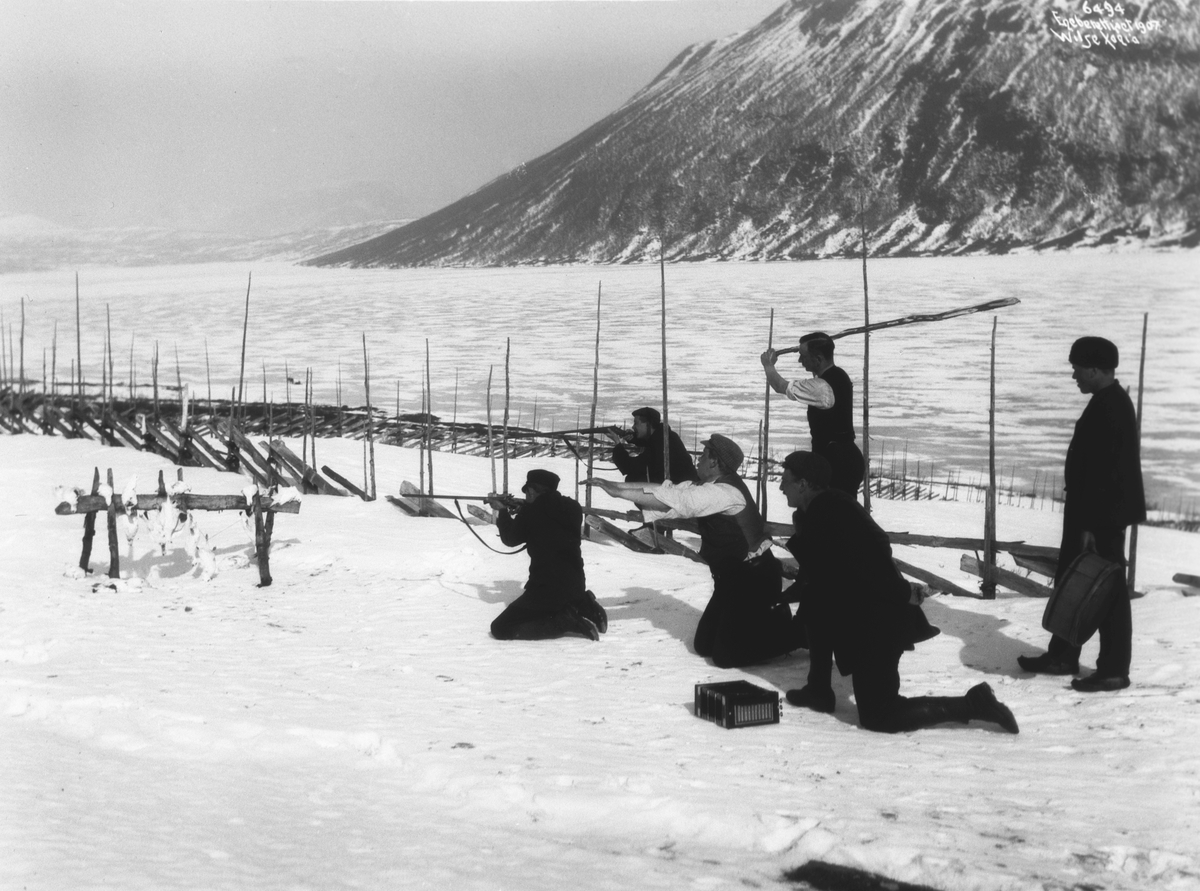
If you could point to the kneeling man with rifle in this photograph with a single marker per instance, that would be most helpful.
(744, 621)
(556, 601)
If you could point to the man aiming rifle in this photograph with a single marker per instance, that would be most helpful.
(556, 601)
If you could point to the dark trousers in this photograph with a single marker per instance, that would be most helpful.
(1116, 626)
(743, 622)
(847, 463)
(536, 616)
(881, 708)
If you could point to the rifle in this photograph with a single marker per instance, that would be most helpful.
(584, 431)
(914, 319)
(631, 516)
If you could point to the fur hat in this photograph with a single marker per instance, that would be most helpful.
(810, 467)
(725, 450)
(1094, 352)
(543, 479)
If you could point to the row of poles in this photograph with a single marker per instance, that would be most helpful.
(426, 461)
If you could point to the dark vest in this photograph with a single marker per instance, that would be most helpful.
(829, 425)
(726, 540)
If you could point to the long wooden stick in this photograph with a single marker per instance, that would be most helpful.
(207, 373)
(428, 415)
(866, 387)
(370, 481)
(917, 318)
(78, 348)
(491, 438)
(662, 269)
(245, 328)
(21, 387)
(595, 397)
(454, 418)
(766, 437)
(988, 586)
(1133, 533)
(111, 379)
(504, 434)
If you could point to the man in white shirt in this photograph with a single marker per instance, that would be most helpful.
(829, 395)
(744, 622)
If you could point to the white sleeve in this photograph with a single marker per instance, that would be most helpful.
(695, 500)
(814, 392)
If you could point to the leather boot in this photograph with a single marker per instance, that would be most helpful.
(986, 707)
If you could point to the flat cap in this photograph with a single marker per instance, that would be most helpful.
(811, 467)
(541, 478)
(725, 450)
(1094, 352)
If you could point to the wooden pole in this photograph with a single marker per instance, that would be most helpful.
(595, 397)
(245, 328)
(108, 338)
(504, 434)
(114, 548)
(21, 386)
(178, 370)
(304, 426)
(132, 340)
(312, 428)
(490, 438)
(370, 482)
(428, 416)
(154, 375)
(78, 348)
(208, 374)
(662, 273)
(1133, 533)
(988, 586)
(866, 388)
(89, 526)
(766, 428)
(3, 353)
(54, 362)
(454, 418)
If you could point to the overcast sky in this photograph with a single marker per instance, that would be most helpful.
(177, 112)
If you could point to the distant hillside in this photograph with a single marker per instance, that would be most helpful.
(28, 244)
(959, 126)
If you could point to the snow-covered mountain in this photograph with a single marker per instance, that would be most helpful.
(939, 126)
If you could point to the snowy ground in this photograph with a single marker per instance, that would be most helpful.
(354, 725)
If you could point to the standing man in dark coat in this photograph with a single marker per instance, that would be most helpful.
(1104, 495)
(556, 600)
(744, 622)
(640, 458)
(855, 605)
(829, 395)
